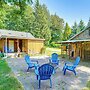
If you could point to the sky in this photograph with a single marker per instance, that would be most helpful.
(69, 10)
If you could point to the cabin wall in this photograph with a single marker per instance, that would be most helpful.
(35, 46)
(87, 51)
(29, 46)
(25, 45)
(1, 44)
(81, 49)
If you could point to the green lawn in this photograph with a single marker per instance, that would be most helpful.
(49, 51)
(7, 79)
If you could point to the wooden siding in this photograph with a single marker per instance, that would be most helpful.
(1, 45)
(29, 46)
(87, 51)
(81, 49)
(35, 46)
(25, 45)
(82, 46)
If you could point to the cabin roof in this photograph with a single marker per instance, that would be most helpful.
(74, 41)
(87, 27)
(17, 34)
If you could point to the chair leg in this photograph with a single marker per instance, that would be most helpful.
(28, 69)
(64, 71)
(74, 72)
(50, 83)
(39, 83)
(37, 77)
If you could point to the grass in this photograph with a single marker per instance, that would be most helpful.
(49, 51)
(87, 86)
(7, 79)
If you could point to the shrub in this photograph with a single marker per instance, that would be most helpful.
(43, 49)
(88, 84)
(53, 44)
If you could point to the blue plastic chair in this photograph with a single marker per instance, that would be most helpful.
(71, 66)
(54, 59)
(30, 63)
(6, 49)
(44, 72)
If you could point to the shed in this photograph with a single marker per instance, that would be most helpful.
(16, 41)
(78, 45)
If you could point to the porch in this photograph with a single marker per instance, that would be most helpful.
(76, 48)
(13, 47)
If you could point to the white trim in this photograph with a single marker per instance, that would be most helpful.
(73, 41)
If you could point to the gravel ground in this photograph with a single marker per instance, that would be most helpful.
(59, 81)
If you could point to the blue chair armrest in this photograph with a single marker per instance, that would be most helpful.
(68, 63)
(50, 60)
(36, 70)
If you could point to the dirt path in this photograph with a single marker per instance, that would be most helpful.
(60, 82)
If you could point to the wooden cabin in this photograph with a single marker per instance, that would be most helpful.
(78, 45)
(16, 42)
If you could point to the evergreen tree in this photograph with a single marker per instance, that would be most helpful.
(74, 29)
(41, 23)
(19, 3)
(81, 25)
(57, 26)
(15, 21)
(67, 32)
(4, 9)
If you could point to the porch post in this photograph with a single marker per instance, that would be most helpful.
(18, 49)
(69, 50)
(6, 46)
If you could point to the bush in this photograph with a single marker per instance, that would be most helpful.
(43, 49)
(1, 55)
(53, 44)
(88, 84)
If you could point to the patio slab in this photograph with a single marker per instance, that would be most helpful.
(59, 81)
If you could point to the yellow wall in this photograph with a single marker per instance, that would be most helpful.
(35, 46)
(29, 46)
(25, 45)
(1, 44)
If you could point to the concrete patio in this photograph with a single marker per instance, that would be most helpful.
(59, 81)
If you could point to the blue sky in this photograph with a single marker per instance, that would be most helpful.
(69, 10)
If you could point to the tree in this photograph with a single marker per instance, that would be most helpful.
(41, 23)
(67, 32)
(15, 21)
(19, 3)
(57, 26)
(81, 25)
(12, 14)
(2, 16)
(4, 9)
(74, 29)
